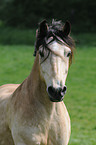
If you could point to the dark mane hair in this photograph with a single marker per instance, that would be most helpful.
(54, 29)
(57, 27)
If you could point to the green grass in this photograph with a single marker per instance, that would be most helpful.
(15, 65)
(81, 97)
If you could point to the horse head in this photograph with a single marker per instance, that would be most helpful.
(55, 48)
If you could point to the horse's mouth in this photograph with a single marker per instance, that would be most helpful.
(56, 94)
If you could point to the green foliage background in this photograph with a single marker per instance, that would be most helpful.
(28, 13)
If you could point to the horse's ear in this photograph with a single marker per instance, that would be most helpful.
(67, 28)
(43, 27)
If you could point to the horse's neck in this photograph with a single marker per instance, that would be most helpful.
(35, 83)
(33, 89)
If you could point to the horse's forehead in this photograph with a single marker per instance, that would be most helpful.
(59, 48)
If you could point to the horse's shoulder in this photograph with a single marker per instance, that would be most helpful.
(8, 88)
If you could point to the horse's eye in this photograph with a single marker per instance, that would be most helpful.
(69, 53)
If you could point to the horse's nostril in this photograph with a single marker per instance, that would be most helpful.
(64, 89)
(56, 94)
(50, 89)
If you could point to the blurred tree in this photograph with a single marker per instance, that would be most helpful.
(27, 13)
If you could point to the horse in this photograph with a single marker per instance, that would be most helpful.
(33, 112)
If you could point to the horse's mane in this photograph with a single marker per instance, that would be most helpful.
(54, 28)
(57, 27)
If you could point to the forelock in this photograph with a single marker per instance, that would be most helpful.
(54, 28)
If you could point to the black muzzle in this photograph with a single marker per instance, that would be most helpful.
(56, 94)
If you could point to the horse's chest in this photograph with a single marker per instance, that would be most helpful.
(56, 133)
(59, 130)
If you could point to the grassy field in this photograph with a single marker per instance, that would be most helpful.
(15, 65)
